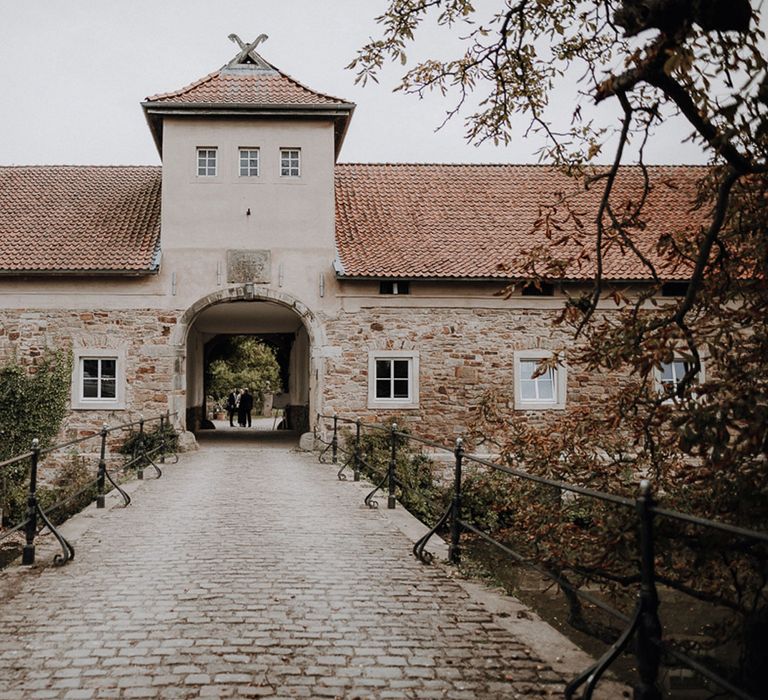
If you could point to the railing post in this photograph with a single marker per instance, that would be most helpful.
(140, 449)
(454, 551)
(335, 440)
(162, 439)
(28, 554)
(649, 628)
(102, 473)
(391, 469)
(356, 456)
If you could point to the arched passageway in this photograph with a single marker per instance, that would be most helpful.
(277, 324)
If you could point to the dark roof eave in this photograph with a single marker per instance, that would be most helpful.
(489, 278)
(79, 273)
(340, 112)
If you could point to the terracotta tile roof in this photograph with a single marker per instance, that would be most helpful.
(79, 218)
(247, 88)
(478, 221)
(246, 85)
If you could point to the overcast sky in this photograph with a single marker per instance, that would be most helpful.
(74, 72)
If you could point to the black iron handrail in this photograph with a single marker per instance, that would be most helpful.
(142, 455)
(644, 624)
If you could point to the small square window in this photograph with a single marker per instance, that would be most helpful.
(206, 162)
(249, 162)
(538, 388)
(393, 379)
(290, 162)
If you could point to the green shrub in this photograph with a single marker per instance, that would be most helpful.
(488, 498)
(73, 488)
(420, 491)
(33, 403)
(151, 438)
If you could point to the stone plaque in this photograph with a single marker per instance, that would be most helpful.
(249, 266)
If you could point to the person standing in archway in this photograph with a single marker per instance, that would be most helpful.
(232, 406)
(246, 406)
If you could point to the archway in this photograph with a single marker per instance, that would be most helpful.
(272, 317)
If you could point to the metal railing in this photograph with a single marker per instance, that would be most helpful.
(643, 625)
(141, 457)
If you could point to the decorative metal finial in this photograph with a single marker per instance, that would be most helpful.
(246, 49)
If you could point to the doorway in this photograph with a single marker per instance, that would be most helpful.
(226, 333)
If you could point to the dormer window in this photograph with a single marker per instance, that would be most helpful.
(394, 287)
(206, 162)
(543, 289)
(674, 289)
(290, 162)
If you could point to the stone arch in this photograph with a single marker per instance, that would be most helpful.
(241, 293)
(245, 293)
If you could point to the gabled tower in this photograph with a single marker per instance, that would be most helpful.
(248, 165)
(248, 217)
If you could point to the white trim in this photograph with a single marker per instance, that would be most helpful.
(78, 401)
(291, 149)
(559, 385)
(412, 401)
(215, 151)
(657, 373)
(248, 149)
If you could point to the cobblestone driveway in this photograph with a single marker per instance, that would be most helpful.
(250, 571)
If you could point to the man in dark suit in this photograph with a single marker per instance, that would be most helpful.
(246, 406)
(232, 406)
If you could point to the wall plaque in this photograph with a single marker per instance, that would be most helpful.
(249, 266)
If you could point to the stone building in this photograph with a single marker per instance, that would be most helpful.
(380, 285)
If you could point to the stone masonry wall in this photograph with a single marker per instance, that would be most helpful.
(143, 335)
(462, 354)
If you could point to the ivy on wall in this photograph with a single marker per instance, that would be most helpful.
(33, 403)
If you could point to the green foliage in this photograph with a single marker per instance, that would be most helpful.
(72, 490)
(488, 498)
(151, 439)
(33, 403)
(251, 365)
(420, 491)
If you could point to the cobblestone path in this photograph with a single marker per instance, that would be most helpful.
(250, 571)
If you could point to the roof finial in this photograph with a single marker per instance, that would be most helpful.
(247, 49)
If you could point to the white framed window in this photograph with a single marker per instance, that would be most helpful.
(290, 162)
(98, 379)
(249, 162)
(206, 162)
(670, 374)
(393, 379)
(537, 389)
